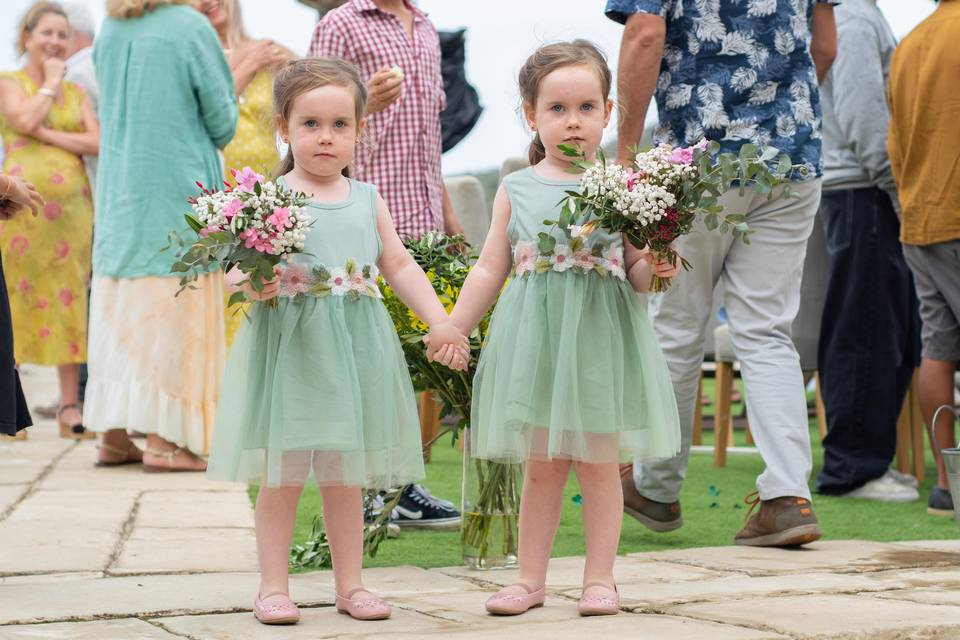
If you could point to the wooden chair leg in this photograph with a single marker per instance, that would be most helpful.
(429, 420)
(698, 414)
(722, 417)
(917, 428)
(746, 425)
(821, 409)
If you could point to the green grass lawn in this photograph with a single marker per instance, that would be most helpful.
(713, 512)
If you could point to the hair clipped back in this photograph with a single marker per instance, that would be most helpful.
(548, 59)
(307, 74)
(31, 19)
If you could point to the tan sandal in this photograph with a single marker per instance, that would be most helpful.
(123, 456)
(169, 456)
(75, 431)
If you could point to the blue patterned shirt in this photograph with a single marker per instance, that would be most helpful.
(737, 71)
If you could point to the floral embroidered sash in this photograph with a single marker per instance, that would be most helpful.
(602, 260)
(298, 281)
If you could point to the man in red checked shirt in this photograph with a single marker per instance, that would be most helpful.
(397, 50)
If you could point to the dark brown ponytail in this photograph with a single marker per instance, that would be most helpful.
(537, 151)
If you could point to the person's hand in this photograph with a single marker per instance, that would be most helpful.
(383, 89)
(662, 268)
(53, 70)
(236, 280)
(446, 345)
(19, 194)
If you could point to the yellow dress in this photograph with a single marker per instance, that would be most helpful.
(254, 146)
(47, 258)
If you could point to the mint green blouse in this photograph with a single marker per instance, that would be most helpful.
(167, 103)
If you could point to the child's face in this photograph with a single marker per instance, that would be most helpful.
(322, 130)
(571, 109)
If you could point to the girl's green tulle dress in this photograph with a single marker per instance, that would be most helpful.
(318, 385)
(571, 368)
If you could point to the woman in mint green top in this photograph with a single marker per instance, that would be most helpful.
(167, 104)
(318, 386)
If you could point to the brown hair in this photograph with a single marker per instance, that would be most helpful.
(548, 59)
(126, 9)
(31, 19)
(307, 74)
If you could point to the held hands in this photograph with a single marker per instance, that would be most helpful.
(383, 89)
(18, 194)
(449, 347)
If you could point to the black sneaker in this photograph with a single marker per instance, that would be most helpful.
(940, 503)
(418, 509)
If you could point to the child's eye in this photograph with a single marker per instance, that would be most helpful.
(339, 124)
(310, 123)
(586, 107)
(557, 108)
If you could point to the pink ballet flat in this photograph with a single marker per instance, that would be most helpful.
(599, 605)
(279, 611)
(369, 608)
(513, 604)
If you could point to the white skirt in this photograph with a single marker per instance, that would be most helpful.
(155, 360)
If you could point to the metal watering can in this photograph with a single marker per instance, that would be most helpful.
(951, 461)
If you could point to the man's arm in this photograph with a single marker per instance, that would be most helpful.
(451, 224)
(823, 43)
(641, 52)
(860, 103)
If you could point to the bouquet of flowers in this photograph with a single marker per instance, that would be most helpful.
(252, 225)
(664, 193)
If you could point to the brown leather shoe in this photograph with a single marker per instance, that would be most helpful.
(782, 522)
(656, 516)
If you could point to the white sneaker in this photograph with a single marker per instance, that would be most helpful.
(884, 489)
(903, 478)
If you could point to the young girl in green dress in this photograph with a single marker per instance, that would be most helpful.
(571, 374)
(318, 386)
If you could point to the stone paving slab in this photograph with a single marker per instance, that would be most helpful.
(10, 493)
(128, 629)
(315, 624)
(839, 556)
(27, 548)
(196, 509)
(161, 550)
(834, 617)
(625, 626)
(567, 573)
(77, 510)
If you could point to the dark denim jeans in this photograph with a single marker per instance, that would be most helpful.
(869, 337)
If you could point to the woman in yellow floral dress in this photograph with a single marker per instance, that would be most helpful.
(46, 124)
(253, 63)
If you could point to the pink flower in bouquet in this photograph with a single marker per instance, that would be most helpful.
(583, 260)
(280, 218)
(681, 155)
(523, 257)
(232, 208)
(294, 279)
(700, 146)
(634, 177)
(247, 178)
(253, 240)
(208, 230)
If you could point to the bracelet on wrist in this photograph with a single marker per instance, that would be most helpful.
(50, 93)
